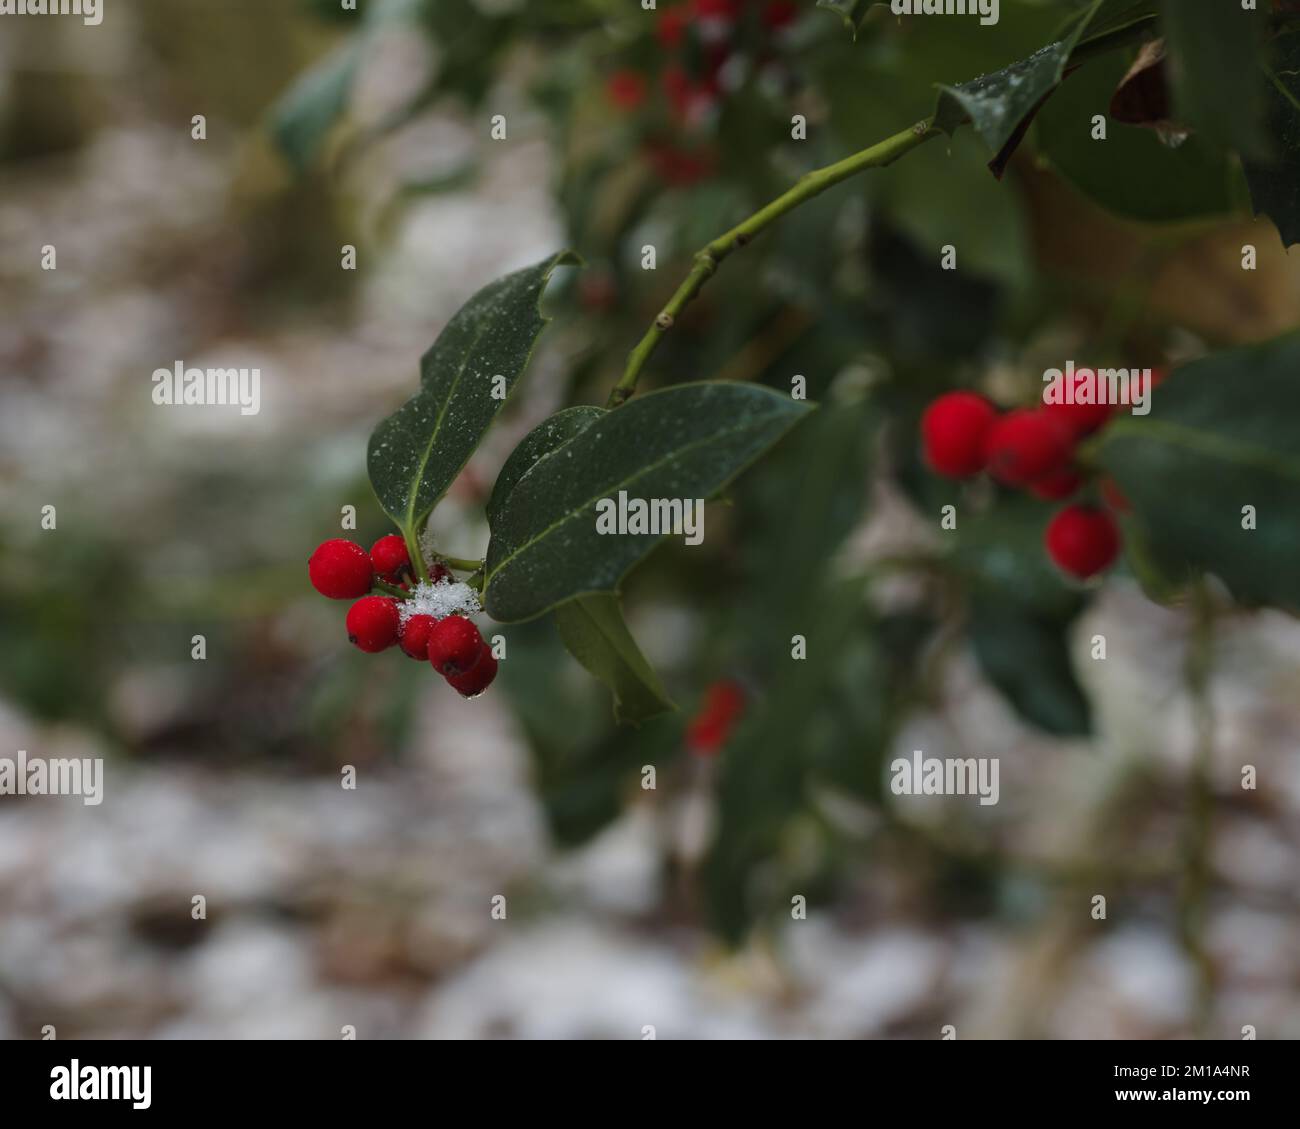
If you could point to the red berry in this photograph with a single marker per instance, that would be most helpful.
(709, 729)
(340, 570)
(455, 646)
(1081, 419)
(414, 636)
(1056, 485)
(438, 572)
(953, 430)
(373, 623)
(671, 26)
(479, 677)
(626, 89)
(1082, 540)
(1027, 444)
(389, 556)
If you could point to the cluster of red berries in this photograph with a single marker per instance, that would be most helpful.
(712, 725)
(1033, 449)
(699, 38)
(343, 570)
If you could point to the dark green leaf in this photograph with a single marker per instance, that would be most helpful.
(1026, 657)
(548, 435)
(1131, 173)
(996, 104)
(1221, 436)
(1275, 183)
(583, 765)
(595, 633)
(685, 442)
(1020, 613)
(1000, 105)
(417, 452)
(1214, 56)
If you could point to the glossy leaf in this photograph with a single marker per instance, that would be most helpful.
(416, 453)
(548, 435)
(685, 443)
(1000, 105)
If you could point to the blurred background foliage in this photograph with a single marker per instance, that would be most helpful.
(334, 127)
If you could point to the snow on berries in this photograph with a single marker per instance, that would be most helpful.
(340, 570)
(428, 620)
(1034, 449)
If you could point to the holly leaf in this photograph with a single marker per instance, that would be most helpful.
(465, 377)
(544, 439)
(1020, 616)
(592, 628)
(1220, 437)
(1275, 183)
(1001, 105)
(595, 633)
(682, 443)
(1025, 656)
(1132, 173)
(1214, 53)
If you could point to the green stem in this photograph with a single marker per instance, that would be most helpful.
(706, 261)
(809, 185)
(391, 589)
(413, 551)
(460, 564)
